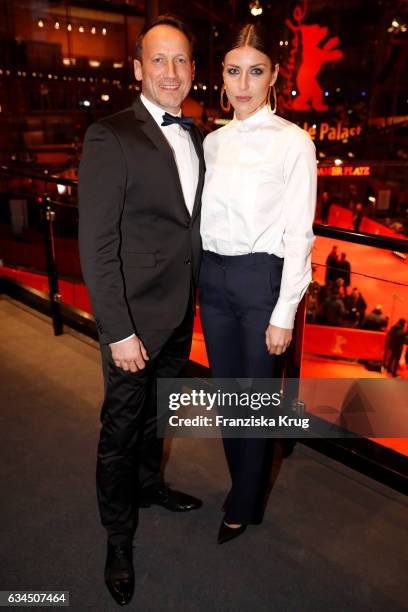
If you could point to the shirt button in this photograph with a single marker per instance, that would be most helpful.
(187, 261)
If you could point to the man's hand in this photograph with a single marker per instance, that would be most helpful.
(277, 339)
(130, 355)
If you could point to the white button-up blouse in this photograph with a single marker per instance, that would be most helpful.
(260, 196)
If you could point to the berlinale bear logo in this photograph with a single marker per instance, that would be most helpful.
(313, 57)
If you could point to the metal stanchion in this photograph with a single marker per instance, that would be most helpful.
(48, 217)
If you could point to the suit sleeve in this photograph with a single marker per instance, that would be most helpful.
(101, 194)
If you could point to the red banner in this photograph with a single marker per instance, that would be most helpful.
(344, 342)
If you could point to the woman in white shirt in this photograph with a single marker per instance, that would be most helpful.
(256, 227)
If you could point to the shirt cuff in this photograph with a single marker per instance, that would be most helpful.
(283, 315)
(124, 339)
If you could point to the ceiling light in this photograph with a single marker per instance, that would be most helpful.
(255, 8)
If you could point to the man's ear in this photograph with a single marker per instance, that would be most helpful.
(137, 67)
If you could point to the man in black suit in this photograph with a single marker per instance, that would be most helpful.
(344, 271)
(140, 184)
(332, 262)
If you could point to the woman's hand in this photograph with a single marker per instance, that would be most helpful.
(277, 339)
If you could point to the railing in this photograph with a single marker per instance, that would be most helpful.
(47, 185)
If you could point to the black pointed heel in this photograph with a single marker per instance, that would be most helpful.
(225, 533)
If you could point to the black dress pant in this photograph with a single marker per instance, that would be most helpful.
(129, 451)
(237, 297)
(393, 360)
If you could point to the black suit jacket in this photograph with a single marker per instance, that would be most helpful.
(139, 246)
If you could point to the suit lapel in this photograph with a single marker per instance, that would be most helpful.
(196, 138)
(156, 136)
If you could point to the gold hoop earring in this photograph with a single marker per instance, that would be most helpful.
(225, 107)
(268, 100)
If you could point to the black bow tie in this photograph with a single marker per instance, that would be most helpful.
(185, 122)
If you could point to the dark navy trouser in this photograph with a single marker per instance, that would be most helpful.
(237, 297)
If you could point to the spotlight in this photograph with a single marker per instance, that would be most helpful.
(69, 27)
(57, 25)
(255, 8)
(40, 23)
(105, 97)
(396, 27)
(93, 30)
(104, 31)
(338, 162)
(81, 29)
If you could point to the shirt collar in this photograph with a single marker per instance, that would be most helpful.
(254, 121)
(155, 111)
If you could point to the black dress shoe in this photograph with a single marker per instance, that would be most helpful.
(226, 533)
(119, 573)
(172, 500)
